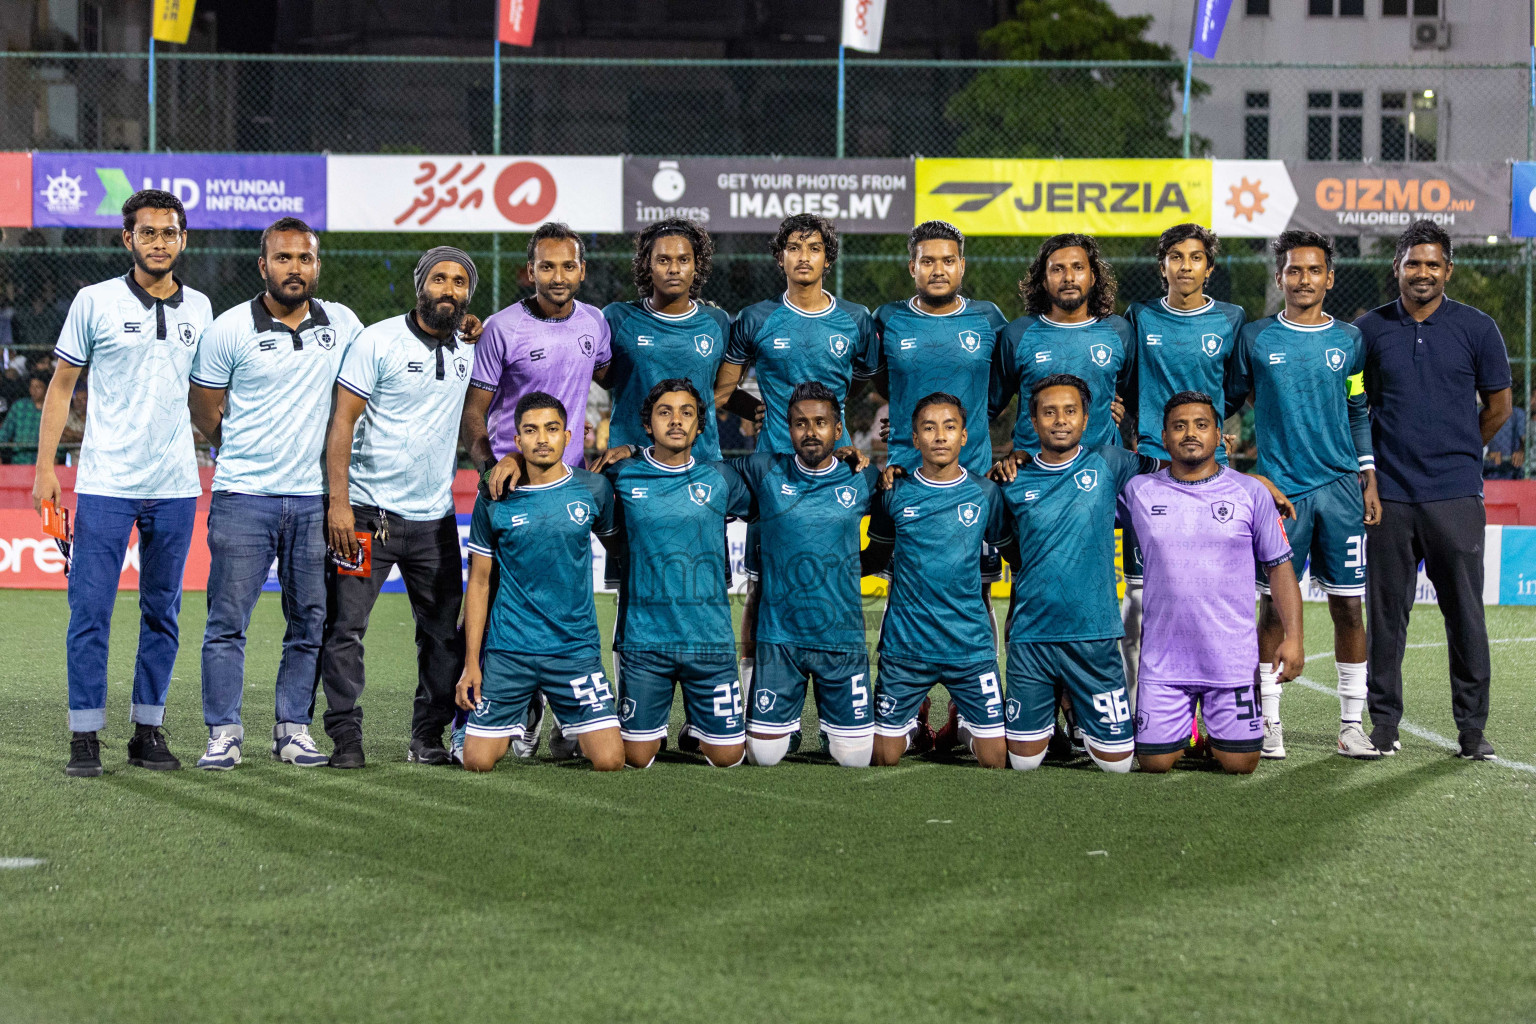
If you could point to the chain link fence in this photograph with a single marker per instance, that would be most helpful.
(894, 108)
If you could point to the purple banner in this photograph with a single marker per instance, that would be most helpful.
(1210, 19)
(220, 190)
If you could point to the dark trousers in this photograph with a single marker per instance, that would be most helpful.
(427, 554)
(1448, 537)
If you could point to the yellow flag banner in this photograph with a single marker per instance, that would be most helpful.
(1044, 197)
(173, 20)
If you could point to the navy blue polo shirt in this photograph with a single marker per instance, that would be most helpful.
(1422, 382)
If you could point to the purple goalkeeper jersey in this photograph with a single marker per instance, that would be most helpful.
(1200, 543)
(522, 352)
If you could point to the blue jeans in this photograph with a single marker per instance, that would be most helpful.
(245, 533)
(102, 528)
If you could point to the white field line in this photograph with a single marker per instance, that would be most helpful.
(1409, 727)
(11, 863)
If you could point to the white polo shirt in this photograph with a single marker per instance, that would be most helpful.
(278, 385)
(138, 431)
(405, 448)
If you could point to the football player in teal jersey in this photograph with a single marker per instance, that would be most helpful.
(1182, 342)
(1066, 637)
(806, 333)
(538, 631)
(809, 508)
(1070, 327)
(930, 527)
(674, 621)
(1301, 369)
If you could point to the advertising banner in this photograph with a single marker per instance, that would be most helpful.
(219, 190)
(474, 193)
(1522, 214)
(15, 190)
(1044, 197)
(754, 195)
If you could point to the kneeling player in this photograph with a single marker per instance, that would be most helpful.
(540, 632)
(811, 616)
(674, 623)
(1064, 626)
(931, 526)
(1202, 528)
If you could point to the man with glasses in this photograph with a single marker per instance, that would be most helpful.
(138, 467)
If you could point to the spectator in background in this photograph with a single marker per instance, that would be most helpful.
(1504, 458)
(18, 434)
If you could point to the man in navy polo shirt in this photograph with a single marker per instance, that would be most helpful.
(1428, 358)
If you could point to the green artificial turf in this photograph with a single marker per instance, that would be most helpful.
(1319, 889)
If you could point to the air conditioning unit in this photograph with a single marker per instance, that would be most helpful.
(1431, 35)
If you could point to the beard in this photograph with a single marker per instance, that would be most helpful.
(1068, 305)
(138, 261)
(279, 296)
(433, 319)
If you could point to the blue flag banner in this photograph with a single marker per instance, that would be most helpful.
(1210, 19)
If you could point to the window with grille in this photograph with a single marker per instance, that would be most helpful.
(1256, 126)
(1335, 125)
(1410, 125)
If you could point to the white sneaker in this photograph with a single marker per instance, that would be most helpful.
(561, 746)
(1353, 742)
(222, 755)
(298, 748)
(1274, 741)
(528, 745)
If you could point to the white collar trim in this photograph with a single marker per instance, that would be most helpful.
(831, 305)
(1293, 325)
(956, 482)
(1206, 308)
(913, 305)
(1071, 327)
(693, 307)
(1060, 467)
(662, 465)
(808, 471)
(545, 487)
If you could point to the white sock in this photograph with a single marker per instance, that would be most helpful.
(1130, 644)
(1351, 691)
(851, 753)
(1269, 694)
(766, 753)
(744, 670)
(963, 734)
(1120, 767)
(1019, 762)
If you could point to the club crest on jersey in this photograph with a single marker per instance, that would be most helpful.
(699, 493)
(1100, 354)
(704, 344)
(1335, 357)
(1222, 511)
(765, 700)
(1087, 479)
(839, 345)
(325, 338)
(585, 341)
(461, 367)
(482, 706)
(1014, 710)
(970, 341)
(970, 513)
(187, 333)
(1210, 344)
(626, 709)
(846, 496)
(580, 512)
(885, 704)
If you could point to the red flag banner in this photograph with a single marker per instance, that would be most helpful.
(515, 20)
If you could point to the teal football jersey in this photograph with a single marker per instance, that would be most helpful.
(923, 353)
(936, 611)
(1032, 348)
(649, 347)
(540, 537)
(1064, 519)
(789, 346)
(1310, 430)
(1177, 350)
(674, 572)
(808, 521)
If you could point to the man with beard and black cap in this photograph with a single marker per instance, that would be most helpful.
(138, 468)
(391, 502)
(261, 395)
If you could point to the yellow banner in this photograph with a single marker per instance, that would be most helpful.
(1046, 197)
(173, 20)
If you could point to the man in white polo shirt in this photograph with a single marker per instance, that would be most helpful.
(138, 467)
(261, 394)
(391, 454)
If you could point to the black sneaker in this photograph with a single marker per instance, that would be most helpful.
(148, 749)
(84, 756)
(1384, 739)
(1475, 747)
(427, 752)
(347, 753)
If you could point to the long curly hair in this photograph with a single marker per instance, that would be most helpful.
(645, 243)
(1101, 297)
